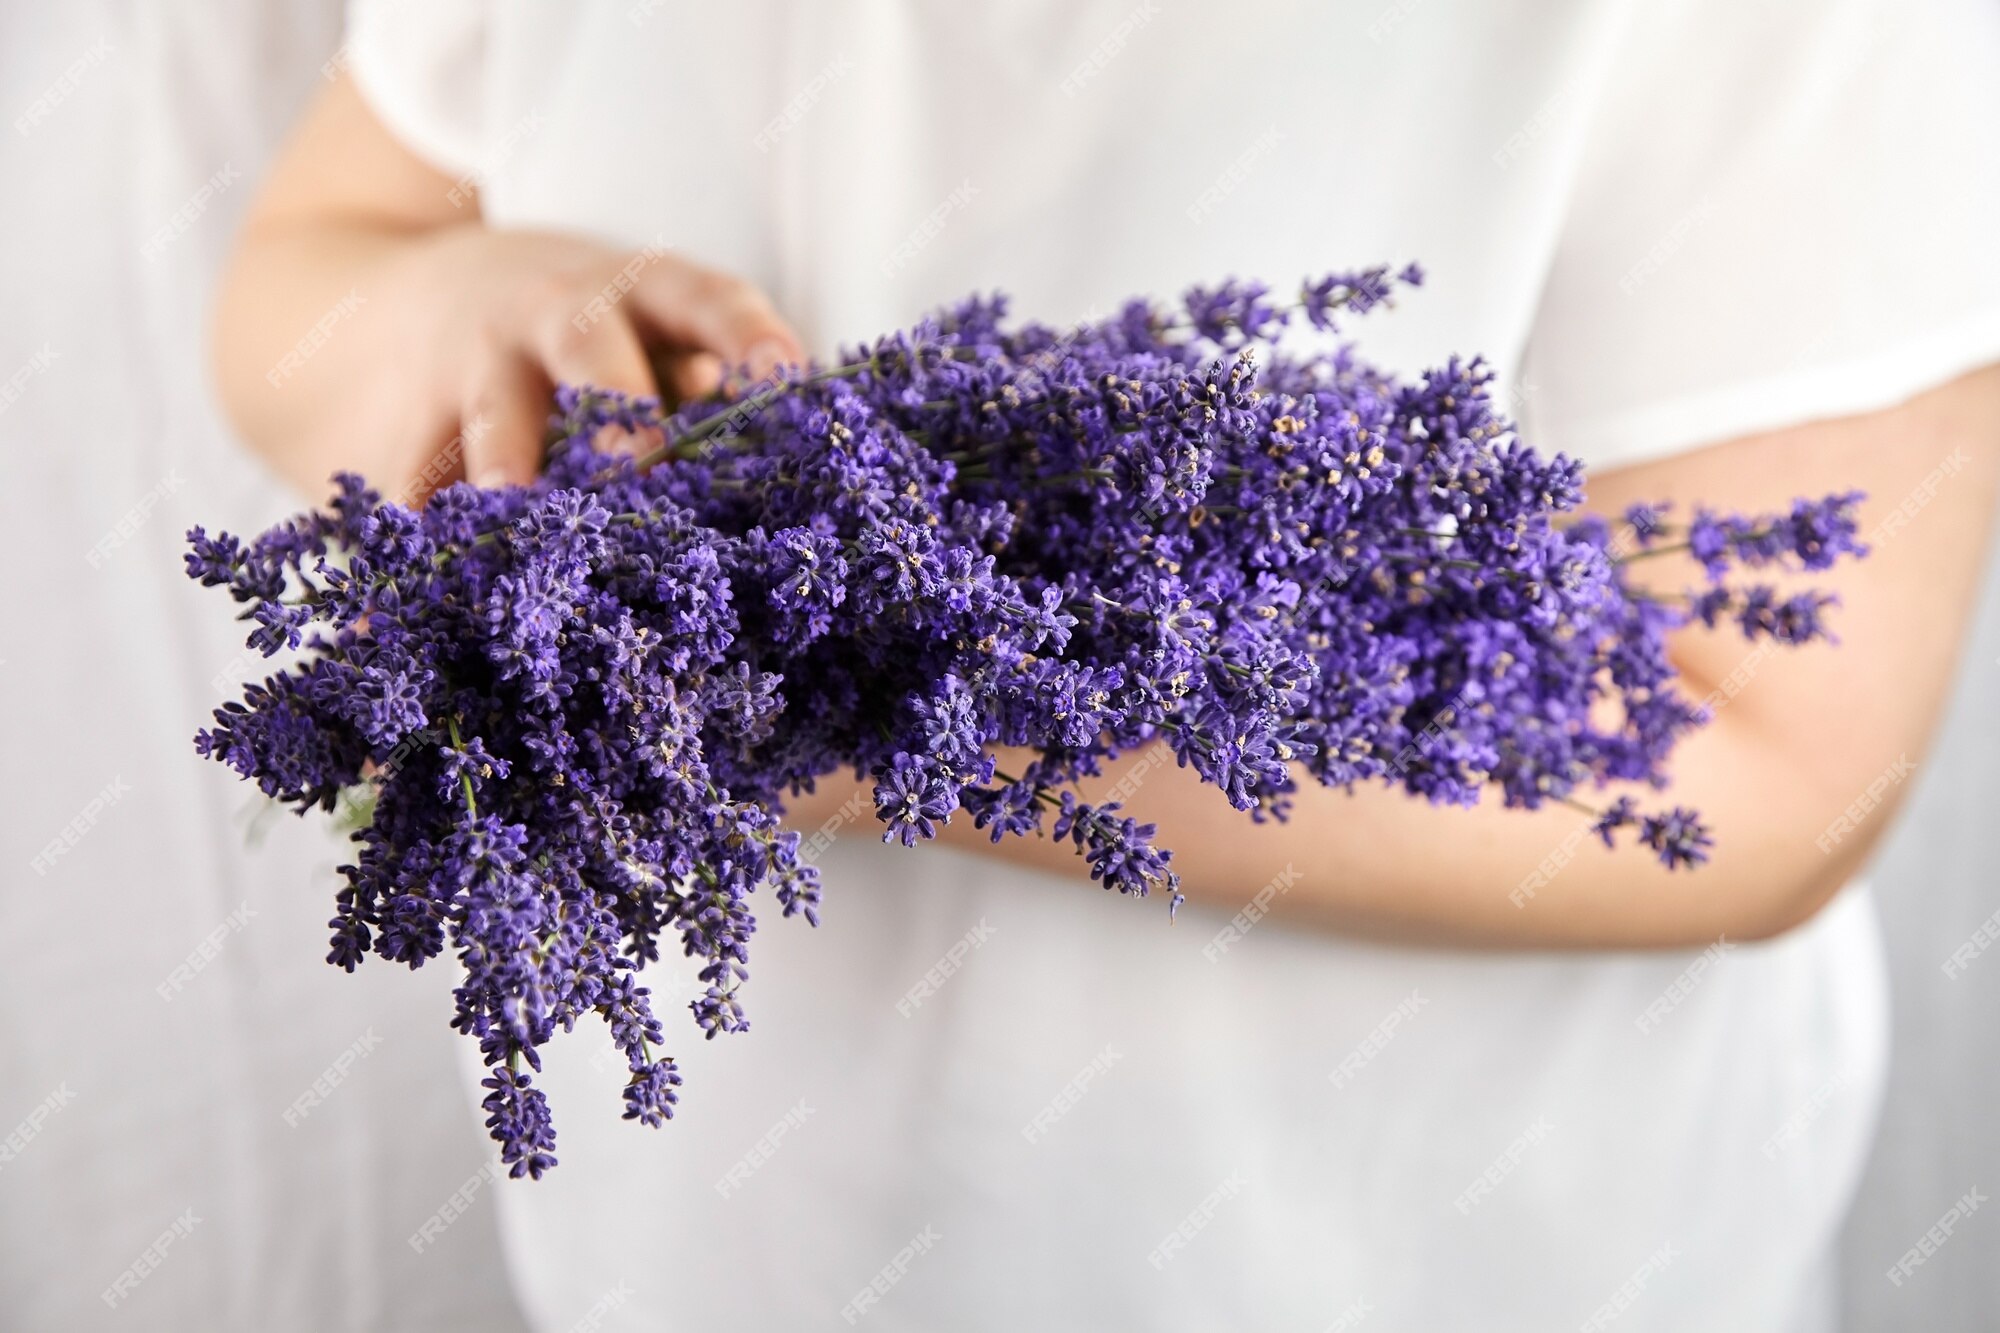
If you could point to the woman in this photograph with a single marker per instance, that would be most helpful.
(1471, 1072)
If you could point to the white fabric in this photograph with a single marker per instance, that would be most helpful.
(1666, 225)
(164, 1011)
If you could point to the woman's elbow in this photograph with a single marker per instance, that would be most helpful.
(1795, 895)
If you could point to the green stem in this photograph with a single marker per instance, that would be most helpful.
(464, 778)
(1673, 547)
(686, 445)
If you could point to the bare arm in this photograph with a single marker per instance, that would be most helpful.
(1798, 738)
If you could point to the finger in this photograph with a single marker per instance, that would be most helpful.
(690, 375)
(509, 396)
(602, 350)
(700, 310)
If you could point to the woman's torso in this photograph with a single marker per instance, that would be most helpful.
(1088, 1117)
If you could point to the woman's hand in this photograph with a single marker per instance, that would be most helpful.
(365, 323)
(513, 314)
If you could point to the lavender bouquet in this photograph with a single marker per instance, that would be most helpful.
(578, 707)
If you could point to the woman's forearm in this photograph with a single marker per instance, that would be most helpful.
(1797, 773)
(1378, 863)
(1382, 864)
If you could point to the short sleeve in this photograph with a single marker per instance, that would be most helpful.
(1784, 211)
(421, 66)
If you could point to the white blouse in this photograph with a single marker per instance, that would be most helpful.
(984, 1098)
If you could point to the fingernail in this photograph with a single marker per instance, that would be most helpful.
(614, 439)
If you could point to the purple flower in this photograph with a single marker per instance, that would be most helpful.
(911, 796)
(1677, 836)
(652, 1093)
(517, 1115)
(1619, 814)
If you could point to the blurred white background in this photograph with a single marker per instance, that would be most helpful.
(164, 1016)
